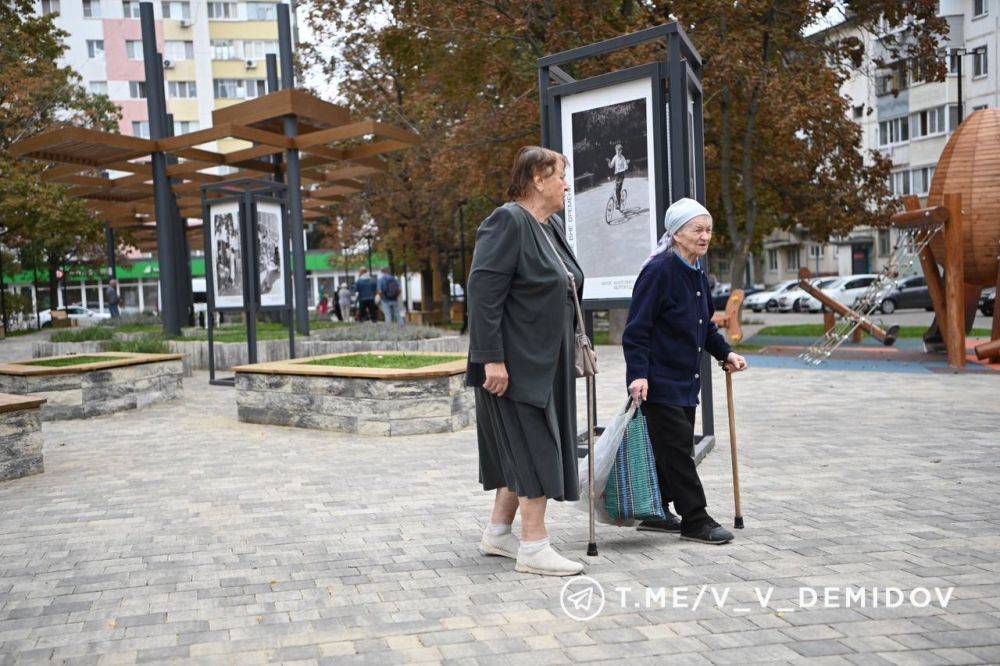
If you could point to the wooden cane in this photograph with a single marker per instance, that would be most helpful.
(738, 520)
(592, 546)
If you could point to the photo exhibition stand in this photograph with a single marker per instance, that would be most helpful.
(246, 258)
(616, 204)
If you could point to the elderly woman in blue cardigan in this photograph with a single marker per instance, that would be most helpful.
(669, 324)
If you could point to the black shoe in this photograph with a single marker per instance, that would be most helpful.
(710, 532)
(669, 524)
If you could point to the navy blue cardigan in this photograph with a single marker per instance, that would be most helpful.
(669, 323)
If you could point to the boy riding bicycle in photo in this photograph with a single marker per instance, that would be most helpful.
(620, 165)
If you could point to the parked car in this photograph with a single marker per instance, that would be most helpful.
(765, 300)
(988, 301)
(849, 288)
(909, 292)
(83, 316)
(720, 296)
(809, 303)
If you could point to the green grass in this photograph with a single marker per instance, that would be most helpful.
(816, 330)
(146, 344)
(18, 333)
(395, 361)
(601, 337)
(747, 347)
(138, 328)
(65, 361)
(82, 334)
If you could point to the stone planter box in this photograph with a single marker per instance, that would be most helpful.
(231, 354)
(131, 381)
(365, 401)
(20, 436)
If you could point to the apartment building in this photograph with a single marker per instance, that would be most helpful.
(906, 118)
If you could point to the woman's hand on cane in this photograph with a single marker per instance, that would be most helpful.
(734, 363)
(496, 378)
(639, 389)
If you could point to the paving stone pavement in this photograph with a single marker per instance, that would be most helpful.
(178, 534)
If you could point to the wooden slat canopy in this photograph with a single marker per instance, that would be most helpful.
(338, 153)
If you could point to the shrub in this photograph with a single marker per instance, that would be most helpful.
(146, 344)
(82, 334)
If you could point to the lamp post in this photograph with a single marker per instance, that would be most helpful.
(406, 279)
(959, 53)
(369, 237)
(3, 285)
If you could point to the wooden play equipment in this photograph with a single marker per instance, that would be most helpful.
(965, 199)
(862, 322)
(729, 318)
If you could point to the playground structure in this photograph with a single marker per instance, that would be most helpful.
(958, 229)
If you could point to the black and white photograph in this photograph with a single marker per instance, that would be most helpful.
(227, 255)
(270, 254)
(607, 135)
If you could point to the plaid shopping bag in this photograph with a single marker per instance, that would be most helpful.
(633, 491)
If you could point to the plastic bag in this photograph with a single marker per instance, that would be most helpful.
(605, 452)
(633, 489)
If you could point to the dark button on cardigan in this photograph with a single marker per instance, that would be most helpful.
(669, 322)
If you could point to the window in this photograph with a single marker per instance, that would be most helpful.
(979, 62)
(137, 89)
(177, 10)
(224, 49)
(256, 49)
(928, 122)
(261, 11)
(50, 7)
(133, 49)
(239, 88)
(815, 251)
(899, 183)
(952, 117)
(92, 8)
(859, 283)
(922, 179)
(140, 128)
(953, 62)
(979, 107)
(772, 260)
(891, 81)
(182, 89)
(884, 246)
(224, 11)
(892, 131)
(95, 49)
(858, 111)
(979, 8)
(792, 258)
(130, 9)
(98, 87)
(177, 50)
(185, 126)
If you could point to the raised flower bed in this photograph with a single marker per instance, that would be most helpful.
(80, 386)
(20, 436)
(383, 393)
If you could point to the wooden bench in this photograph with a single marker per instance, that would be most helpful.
(729, 318)
(21, 431)
(425, 317)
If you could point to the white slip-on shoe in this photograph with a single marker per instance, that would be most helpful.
(547, 562)
(505, 545)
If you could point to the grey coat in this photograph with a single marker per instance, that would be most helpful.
(515, 291)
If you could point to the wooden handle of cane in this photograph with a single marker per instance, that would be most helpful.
(738, 521)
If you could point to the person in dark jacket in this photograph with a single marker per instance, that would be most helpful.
(366, 288)
(669, 324)
(521, 346)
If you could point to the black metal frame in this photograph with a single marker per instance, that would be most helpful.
(247, 192)
(676, 83)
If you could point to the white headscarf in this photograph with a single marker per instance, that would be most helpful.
(680, 213)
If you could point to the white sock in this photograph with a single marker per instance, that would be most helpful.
(532, 547)
(495, 530)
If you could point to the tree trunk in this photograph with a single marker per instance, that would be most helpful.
(738, 264)
(53, 261)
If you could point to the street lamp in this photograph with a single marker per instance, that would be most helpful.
(369, 237)
(959, 53)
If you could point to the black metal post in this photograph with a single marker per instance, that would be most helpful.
(185, 294)
(109, 236)
(461, 245)
(38, 300)
(251, 272)
(960, 55)
(271, 61)
(156, 106)
(369, 237)
(293, 178)
(3, 294)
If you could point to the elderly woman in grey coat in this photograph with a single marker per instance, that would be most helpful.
(521, 332)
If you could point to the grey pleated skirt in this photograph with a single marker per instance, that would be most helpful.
(529, 450)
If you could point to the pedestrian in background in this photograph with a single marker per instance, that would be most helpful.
(365, 287)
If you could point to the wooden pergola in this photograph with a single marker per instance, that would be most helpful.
(337, 153)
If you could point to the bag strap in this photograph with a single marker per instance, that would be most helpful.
(572, 280)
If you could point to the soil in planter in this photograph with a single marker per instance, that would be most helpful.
(71, 360)
(395, 361)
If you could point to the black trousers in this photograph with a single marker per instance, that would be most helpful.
(367, 311)
(671, 431)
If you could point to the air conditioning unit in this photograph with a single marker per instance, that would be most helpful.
(251, 64)
(186, 23)
(168, 64)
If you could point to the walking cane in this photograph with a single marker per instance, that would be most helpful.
(592, 546)
(738, 520)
